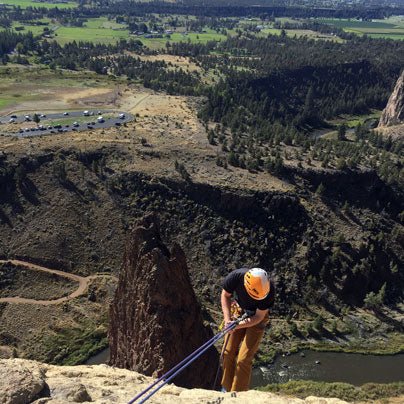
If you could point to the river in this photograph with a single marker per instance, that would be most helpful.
(355, 369)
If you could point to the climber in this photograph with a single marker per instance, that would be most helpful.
(253, 292)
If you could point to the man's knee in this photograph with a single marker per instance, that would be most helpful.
(246, 356)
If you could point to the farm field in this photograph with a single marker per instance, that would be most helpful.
(101, 30)
(300, 33)
(41, 89)
(158, 43)
(35, 29)
(30, 3)
(392, 27)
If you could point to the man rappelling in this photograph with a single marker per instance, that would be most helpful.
(254, 293)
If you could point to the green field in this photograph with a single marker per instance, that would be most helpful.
(101, 30)
(35, 29)
(158, 43)
(392, 27)
(300, 33)
(64, 35)
(30, 3)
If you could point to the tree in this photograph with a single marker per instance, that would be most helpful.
(59, 170)
(320, 189)
(341, 164)
(318, 323)
(19, 48)
(375, 300)
(36, 118)
(342, 132)
(293, 328)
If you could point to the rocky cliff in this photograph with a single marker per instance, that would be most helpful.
(26, 381)
(393, 114)
(155, 318)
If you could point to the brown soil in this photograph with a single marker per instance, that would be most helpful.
(22, 282)
(32, 290)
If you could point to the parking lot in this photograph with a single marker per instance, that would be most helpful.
(37, 124)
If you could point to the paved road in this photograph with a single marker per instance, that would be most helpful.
(83, 283)
(118, 119)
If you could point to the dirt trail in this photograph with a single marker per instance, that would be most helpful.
(82, 281)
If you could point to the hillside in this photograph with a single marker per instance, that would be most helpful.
(248, 133)
(69, 205)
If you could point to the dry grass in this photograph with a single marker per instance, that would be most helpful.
(172, 131)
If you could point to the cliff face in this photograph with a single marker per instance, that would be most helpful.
(393, 114)
(155, 319)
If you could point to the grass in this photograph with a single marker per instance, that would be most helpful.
(93, 33)
(300, 33)
(35, 29)
(351, 121)
(391, 28)
(158, 43)
(343, 391)
(75, 345)
(101, 30)
(27, 84)
(30, 3)
(70, 120)
(394, 345)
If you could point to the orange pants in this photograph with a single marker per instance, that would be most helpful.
(239, 353)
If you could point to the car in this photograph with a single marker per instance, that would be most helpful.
(26, 129)
(86, 113)
(42, 116)
(27, 118)
(13, 116)
(50, 127)
(60, 130)
(58, 126)
(74, 129)
(117, 124)
(100, 119)
(90, 127)
(65, 113)
(67, 126)
(11, 120)
(64, 130)
(99, 113)
(21, 131)
(76, 124)
(52, 131)
(121, 116)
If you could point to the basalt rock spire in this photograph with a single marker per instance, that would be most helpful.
(393, 114)
(155, 318)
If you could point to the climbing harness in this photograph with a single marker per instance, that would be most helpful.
(167, 377)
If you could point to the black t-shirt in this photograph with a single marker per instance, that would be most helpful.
(234, 284)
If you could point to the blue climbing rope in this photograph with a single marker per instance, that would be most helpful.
(167, 377)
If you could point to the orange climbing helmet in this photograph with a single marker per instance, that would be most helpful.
(256, 283)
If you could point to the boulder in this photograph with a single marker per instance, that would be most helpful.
(22, 383)
(155, 318)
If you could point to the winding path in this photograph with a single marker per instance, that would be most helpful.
(82, 281)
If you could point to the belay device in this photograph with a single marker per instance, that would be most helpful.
(167, 377)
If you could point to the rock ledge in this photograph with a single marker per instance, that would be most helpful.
(103, 384)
